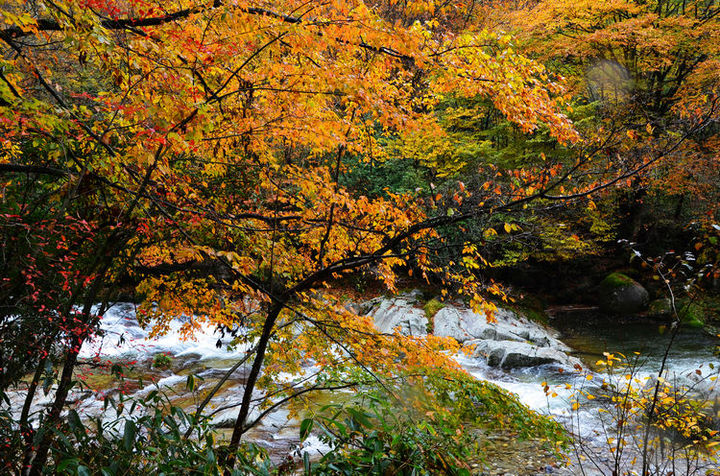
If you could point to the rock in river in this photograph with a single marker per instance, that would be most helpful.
(509, 355)
(620, 294)
(511, 341)
(400, 313)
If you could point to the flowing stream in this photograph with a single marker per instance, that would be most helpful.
(588, 334)
(591, 334)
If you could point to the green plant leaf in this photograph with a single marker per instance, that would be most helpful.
(305, 427)
(129, 434)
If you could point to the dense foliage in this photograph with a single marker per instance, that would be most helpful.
(233, 162)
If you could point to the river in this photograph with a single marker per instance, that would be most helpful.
(588, 333)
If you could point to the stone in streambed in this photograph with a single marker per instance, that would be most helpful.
(660, 308)
(465, 325)
(510, 341)
(510, 355)
(399, 313)
(620, 294)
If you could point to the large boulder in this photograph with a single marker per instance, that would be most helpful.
(510, 341)
(511, 354)
(464, 325)
(620, 294)
(401, 314)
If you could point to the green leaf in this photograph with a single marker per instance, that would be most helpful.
(360, 416)
(305, 427)
(74, 422)
(64, 464)
(129, 435)
(306, 462)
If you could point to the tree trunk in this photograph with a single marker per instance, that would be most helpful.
(27, 430)
(239, 428)
(53, 417)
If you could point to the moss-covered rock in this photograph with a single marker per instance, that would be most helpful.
(616, 280)
(660, 308)
(691, 314)
(431, 308)
(620, 294)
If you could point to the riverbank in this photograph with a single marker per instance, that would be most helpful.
(544, 366)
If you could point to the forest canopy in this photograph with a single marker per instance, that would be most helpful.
(239, 162)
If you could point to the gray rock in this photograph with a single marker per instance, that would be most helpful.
(464, 325)
(365, 307)
(509, 354)
(510, 341)
(415, 296)
(212, 374)
(620, 294)
(399, 313)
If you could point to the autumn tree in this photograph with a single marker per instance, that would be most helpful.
(650, 71)
(200, 150)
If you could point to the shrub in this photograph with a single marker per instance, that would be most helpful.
(162, 361)
(429, 427)
(647, 425)
(146, 438)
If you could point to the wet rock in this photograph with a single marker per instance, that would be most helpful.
(660, 308)
(510, 341)
(465, 325)
(186, 361)
(212, 374)
(510, 355)
(620, 294)
(462, 325)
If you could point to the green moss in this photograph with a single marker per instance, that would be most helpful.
(485, 405)
(691, 314)
(446, 414)
(431, 308)
(531, 307)
(616, 280)
(660, 307)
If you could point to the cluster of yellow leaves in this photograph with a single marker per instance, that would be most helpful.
(624, 398)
